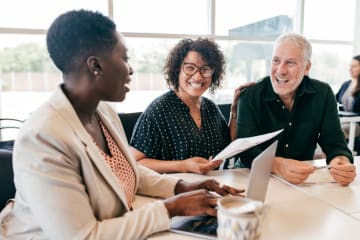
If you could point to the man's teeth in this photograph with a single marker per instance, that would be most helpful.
(282, 80)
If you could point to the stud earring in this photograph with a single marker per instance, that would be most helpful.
(96, 73)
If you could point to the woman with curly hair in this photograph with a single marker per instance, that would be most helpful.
(181, 130)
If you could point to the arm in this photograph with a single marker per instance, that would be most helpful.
(194, 164)
(247, 126)
(356, 105)
(192, 201)
(58, 200)
(233, 109)
(333, 143)
(331, 138)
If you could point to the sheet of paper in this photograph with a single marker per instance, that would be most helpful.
(241, 144)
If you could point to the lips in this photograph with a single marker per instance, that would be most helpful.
(126, 84)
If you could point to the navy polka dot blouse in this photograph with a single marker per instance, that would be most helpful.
(166, 130)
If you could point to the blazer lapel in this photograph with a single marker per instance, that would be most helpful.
(67, 112)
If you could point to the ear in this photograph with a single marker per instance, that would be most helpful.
(93, 65)
(307, 67)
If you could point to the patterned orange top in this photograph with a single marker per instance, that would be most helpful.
(120, 166)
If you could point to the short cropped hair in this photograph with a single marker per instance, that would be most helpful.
(210, 53)
(297, 39)
(357, 57)
(78, 34)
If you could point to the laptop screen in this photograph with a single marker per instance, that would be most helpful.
(205, 226)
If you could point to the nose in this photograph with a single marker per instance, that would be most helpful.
(131, 70)
(197, 75)
(281, 68)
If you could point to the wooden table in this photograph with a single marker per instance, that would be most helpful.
(308, 211)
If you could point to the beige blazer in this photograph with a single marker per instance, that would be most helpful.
(65, 189)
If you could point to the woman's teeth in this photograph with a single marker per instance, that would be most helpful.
(196, 85)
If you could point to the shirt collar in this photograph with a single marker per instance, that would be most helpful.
(305, 87)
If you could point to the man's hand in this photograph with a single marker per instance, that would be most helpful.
(291, 170)
(342, 170)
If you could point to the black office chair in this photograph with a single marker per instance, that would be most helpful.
(225, 110)
(8, 124)
(7, 186)
(128, 121)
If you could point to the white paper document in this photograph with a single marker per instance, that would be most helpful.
(241, 144)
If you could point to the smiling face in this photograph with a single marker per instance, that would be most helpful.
(116, 72)
(288, 68)
(193, 86)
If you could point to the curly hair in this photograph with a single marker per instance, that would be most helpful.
(77, 34)
(210, 53)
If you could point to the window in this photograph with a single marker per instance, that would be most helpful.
(162, 16)
(39, 14)
(255, 18)
(330, 20)
(245, 31)
(330, 63)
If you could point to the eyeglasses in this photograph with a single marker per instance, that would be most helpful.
(190, 69)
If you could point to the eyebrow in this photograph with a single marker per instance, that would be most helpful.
(205, 65)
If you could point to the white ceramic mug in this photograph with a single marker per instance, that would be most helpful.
(238, 218)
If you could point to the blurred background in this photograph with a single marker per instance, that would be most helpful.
(245, 31)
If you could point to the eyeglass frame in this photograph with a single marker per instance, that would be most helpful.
(198, 69)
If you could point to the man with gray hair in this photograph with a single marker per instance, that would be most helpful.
(305, 108)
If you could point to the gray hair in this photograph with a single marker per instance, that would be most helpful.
(298, 40)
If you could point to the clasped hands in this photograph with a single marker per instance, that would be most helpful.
(198, 198)
(297, 172)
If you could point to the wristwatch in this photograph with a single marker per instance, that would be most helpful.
(233, 115)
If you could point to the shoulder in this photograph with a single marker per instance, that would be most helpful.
(208, 102)
(161, 103)
(318, 85)
(345, 84)
(259, 90)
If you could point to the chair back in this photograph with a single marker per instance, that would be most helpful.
(7, 186)
(11, 125)
(128, 121)
(225, 110)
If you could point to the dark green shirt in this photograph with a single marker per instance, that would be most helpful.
(313, 119)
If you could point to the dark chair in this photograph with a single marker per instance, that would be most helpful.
(128, 121)
(225, 110)
(8, 124)
(7, 186)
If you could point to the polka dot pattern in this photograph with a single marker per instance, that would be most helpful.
(166, 130)
(120, 166)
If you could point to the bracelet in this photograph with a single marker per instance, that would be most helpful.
(233, 115)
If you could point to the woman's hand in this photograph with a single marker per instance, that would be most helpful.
(197, 198)
(237, 95)
(200, 165)
(209, 185)
(193, 203)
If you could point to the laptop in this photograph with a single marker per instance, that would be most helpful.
(205, 226)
